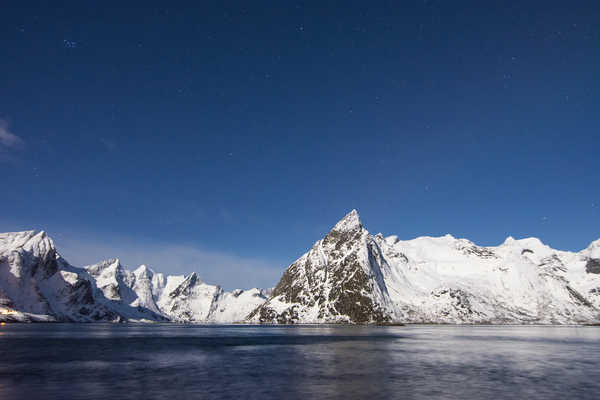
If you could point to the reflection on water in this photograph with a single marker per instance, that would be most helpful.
(64, 361)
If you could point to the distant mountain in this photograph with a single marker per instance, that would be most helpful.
(37, 284)
(351, 276)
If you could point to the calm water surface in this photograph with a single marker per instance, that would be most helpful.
(72, 361)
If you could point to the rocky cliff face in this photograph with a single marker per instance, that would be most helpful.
(338, 280)
(353, 276)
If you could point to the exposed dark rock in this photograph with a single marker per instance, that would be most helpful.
(287, 286)
(481, 252)
(46, 264)
(552, 267)
(184, 289)
(84, 311)
(593, 266)
(82, 293)
(461, 301)
(578, 297)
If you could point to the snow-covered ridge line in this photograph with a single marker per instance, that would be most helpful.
(37, 284)
(355, 277)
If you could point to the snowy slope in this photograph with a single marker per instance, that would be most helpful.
(353, 276)
(37, 284)
(195, 301)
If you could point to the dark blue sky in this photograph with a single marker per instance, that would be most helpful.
(248, 129)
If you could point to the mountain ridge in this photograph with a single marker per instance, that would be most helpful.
(348, 276)
(38, 285)
(434, 280)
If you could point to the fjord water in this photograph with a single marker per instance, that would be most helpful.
(169, 361)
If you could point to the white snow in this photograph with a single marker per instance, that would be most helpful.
(36, 284)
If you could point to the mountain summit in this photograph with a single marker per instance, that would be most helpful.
(335, 281)
(350, 222)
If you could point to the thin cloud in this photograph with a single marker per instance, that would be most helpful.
(230, 271)
(8, 140)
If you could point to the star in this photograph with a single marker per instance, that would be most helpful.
(69, 44)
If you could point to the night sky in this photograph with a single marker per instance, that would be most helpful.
(228, 137)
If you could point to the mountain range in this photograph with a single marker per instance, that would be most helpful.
(349, 276)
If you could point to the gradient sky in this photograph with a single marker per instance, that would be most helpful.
(228, 137)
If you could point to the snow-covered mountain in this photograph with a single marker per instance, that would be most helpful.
(37, 284)
(350, 276)
(353, 276)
